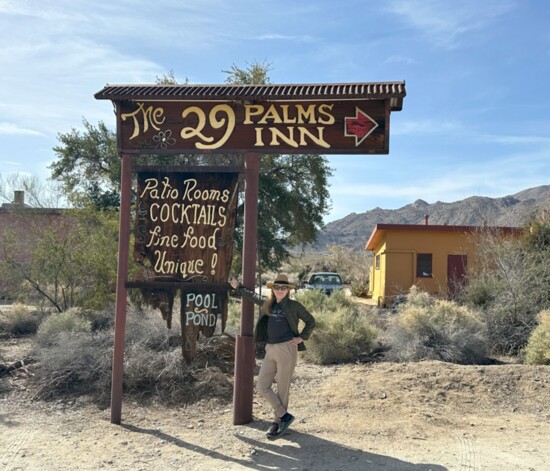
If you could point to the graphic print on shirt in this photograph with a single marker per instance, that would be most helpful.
(278, 328)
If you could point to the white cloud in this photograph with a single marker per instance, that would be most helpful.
(284, 37)
(512, 140)
(14, 130)
(10, 162)
(397, 59)
(427, 126)
(448, 22)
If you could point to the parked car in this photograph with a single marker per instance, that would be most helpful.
(327, 282)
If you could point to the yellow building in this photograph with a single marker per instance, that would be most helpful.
(435, 258)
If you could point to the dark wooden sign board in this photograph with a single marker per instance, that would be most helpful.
(348, 118)
(184, 226)
(329, 127)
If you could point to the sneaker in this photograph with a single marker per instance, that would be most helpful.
(273, 431)
(286, 420)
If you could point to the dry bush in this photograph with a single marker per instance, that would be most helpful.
(20, 320)
(61, 323)
(537, 351)
(77, 363)
(314, 300)
(434, 329)
(342, 332)
(99, 319)
(80, 363)
(511, 286)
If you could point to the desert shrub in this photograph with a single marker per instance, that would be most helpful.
(313, 300)
(537, 351)
(100, 319)
(509, 294)
(510, 285)
(20, 320)
(429, 328)
(80, 363)
(76, 363)
(340, 299)
(358, 289)
(342, 332)
(63, 322)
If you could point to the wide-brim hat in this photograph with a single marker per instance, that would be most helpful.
(280, 279)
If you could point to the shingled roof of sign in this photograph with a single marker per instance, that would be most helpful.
(394, 91)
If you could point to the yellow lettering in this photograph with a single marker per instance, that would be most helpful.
(259, 142)
(276, 133)
(151, 185)
(307, 114)
(271, 114)
(216, 123)
(329, 118)
(319, 140)
(152, 210)
(252, 110)
(150, 116)
(189, 132)
(286, 117)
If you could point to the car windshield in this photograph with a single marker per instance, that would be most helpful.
(326, 280)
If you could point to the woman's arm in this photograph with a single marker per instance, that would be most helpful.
(246, 293)
(308, 320)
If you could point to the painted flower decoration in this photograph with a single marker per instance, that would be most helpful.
(164, 139)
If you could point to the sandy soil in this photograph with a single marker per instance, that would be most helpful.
(421, 416)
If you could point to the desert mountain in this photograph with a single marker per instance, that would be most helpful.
(514, 210)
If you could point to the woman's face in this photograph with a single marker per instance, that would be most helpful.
(279, 291)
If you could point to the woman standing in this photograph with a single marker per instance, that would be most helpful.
(278, 328)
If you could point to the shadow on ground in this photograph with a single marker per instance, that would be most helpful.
(294, 451)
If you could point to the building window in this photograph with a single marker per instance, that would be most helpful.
(424, 265)
(377, 262)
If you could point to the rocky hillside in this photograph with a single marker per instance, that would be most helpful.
(513, 210)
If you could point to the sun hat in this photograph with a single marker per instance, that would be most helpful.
(280, 279)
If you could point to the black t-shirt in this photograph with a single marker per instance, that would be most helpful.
(278, 329)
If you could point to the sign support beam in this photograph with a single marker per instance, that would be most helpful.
(121, 292)
(243, 389)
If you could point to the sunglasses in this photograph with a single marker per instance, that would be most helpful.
(280, 288)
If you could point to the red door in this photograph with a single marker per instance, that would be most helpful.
(456, 274)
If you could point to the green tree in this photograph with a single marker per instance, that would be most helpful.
(64, 258)
(255, 74)
(88, 166)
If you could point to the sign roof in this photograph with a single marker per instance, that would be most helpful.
(395, 91)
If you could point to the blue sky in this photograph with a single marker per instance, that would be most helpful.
(475, 121)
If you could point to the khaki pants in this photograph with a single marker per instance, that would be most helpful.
(278, 365)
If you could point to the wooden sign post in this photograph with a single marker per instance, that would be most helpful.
(349, 118)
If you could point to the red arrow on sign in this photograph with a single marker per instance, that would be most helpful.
(359, 126)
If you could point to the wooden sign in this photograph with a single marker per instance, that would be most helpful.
(184, 233)
(184, 225)
(327, 127)
(199, 313)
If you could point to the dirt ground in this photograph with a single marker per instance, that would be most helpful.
(375, 416)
